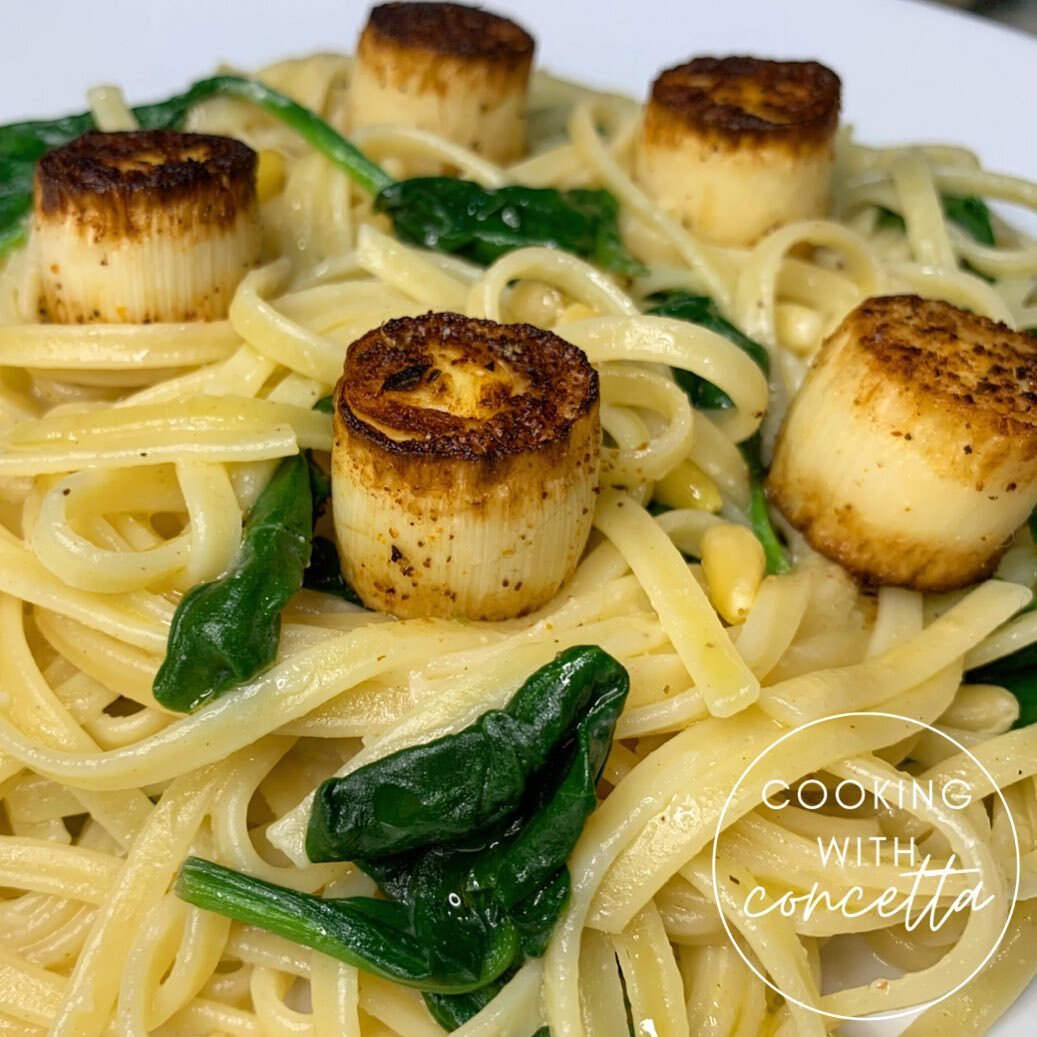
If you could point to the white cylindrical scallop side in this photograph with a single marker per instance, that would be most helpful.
(158, 274)
(876, 500)
(480, 108)
(734, 196)
(472, 542)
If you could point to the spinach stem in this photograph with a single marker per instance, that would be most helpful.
(310, 126)
(773, 549)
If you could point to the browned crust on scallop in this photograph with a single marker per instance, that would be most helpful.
(969, 366)
(449, 29)
(744, 101)
(460, 445)
(974, 381)
(120, 179)
(384, 366)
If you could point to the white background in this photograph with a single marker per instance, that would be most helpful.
(910, 71)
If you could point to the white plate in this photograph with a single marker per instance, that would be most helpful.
(910, 71)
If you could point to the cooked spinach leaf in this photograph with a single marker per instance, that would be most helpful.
(970, 213)
(454, 1010)
(470, 887)
(324, 570)
(774, 550)
(440, 213)
(226, 631)
(371, 934)
(700, 309)
(460, 784)
(1018, 673)
(324, 573)
(461, 217)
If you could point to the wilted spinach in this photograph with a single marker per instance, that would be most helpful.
(226, 631)
(466, 836)
(700, 309)
(970, 213)
(441, 213)
(461, 217)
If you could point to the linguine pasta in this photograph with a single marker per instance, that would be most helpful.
(128, 455)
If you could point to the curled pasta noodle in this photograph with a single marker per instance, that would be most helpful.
(129, 456)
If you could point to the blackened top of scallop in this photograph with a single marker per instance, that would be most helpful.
(453, 386)
(447, 28)
(735, 99)
(148, 167)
